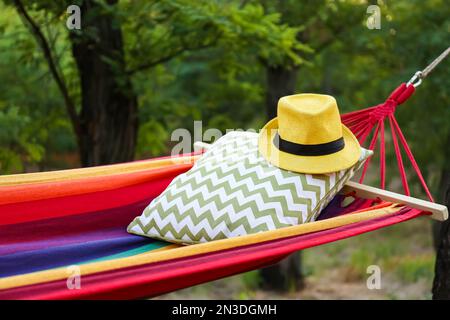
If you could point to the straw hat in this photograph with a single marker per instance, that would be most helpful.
(308, 136)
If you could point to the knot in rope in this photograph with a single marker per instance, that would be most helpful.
(383, 110)
(396, 98)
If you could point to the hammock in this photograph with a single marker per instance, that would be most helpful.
(55, 226)
(52, 220)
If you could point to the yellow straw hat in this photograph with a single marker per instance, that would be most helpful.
(308, 136)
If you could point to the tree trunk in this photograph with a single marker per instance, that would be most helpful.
(284, 276)
(287, 274)
(280, 82)
(108, 117)
(441, 283)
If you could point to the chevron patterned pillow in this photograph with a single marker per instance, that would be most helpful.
(233, 191)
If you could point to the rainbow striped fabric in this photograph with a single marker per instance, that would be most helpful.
(53, 221)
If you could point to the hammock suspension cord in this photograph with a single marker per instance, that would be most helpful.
(364, 122)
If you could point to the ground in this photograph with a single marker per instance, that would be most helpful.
(338, 270)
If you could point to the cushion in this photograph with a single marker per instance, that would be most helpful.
(233, 191)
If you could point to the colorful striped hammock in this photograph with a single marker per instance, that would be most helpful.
(52, 220)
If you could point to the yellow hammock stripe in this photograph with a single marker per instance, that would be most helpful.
(186, 251)
(61, 175)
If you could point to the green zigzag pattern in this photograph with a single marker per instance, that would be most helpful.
(246, 146)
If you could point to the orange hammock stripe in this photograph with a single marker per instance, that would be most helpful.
(76, 185)
(70, 174)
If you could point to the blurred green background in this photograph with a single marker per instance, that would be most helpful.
(225, 63)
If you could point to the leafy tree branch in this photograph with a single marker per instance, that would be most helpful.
(45, 47)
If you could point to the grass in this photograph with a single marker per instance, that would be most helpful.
(338, 270)
(414, 268)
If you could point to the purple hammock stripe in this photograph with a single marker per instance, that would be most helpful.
(55, 242)
(49, 243)
(42, 259)
(34, 235)
(334, 208)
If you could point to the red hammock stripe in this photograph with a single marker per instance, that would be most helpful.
(84, 203)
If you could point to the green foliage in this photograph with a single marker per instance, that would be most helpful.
(221, 83)
(33, 123)
(161, 29)
(16, 140)
(152, 138)
(414, 268)
(227, 39)
(206, 60)
(252, 280)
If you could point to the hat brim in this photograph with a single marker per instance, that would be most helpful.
(337, 161)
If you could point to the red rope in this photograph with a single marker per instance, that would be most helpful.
(364, 122)
(371, 147)
(411, 158)
(398, 155)
(382, 157)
